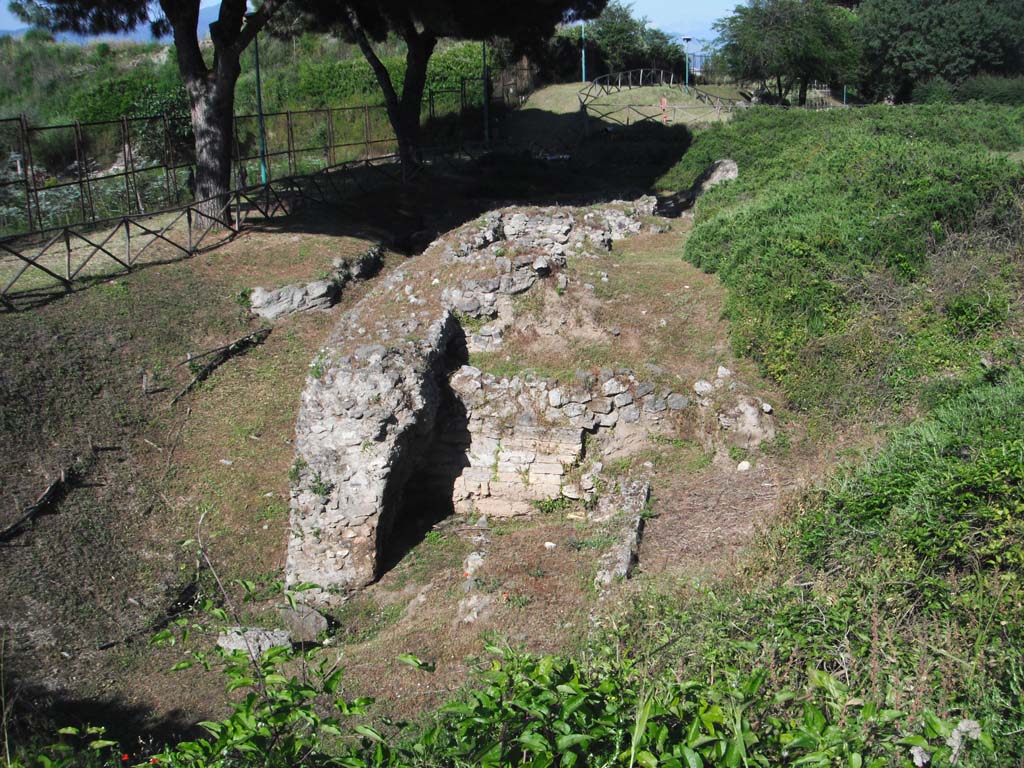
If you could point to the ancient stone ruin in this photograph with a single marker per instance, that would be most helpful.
(397, 431)
(319, 294)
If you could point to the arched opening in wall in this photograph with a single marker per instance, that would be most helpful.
(420, 492)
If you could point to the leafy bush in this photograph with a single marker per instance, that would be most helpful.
(987, 88)
(322, 83)
(993, 89)
(934, 91)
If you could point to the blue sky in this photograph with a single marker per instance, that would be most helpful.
(684, 17)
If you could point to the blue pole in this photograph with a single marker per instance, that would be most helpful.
(583, 51)
(487, 96)
(686, 56)
(259, 112)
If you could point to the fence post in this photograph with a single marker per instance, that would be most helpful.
(67, 252)
(131, 165)
(188, 224)
(27, 172)
(127, 242)
(331, 159)
(167, 162)
(366, 132)
(291, 143)
(171, 164)
(124, 157)
(78, 163)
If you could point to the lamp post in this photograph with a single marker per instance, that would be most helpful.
(259, 107)
(686, 59)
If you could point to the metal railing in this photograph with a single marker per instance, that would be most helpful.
(60, 255)
(85, 172)
(615, 82)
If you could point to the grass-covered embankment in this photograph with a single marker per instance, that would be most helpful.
(868, 253)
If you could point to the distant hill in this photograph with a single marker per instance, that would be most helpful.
(141, 35)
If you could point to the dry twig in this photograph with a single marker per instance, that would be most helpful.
(218, 356)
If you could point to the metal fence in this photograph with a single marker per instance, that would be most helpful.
(704, 104)
(103, 196)
(89, 172)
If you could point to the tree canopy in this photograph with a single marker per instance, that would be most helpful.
(210, 86)
(628, 42)
(421, 23)
(782, 43)
(907, 41)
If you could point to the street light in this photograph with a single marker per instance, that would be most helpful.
(686, 58)
(259, 105)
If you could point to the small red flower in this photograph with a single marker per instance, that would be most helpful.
(125, 758)
(153, 760)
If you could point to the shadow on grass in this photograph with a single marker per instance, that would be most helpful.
(34, 713)
(607, 163)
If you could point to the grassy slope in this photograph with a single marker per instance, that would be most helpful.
(840, 240)
(889, 607)
(111, 560)
(902, 582)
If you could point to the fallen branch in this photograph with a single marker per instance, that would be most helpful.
(52, 492)
(219, 356)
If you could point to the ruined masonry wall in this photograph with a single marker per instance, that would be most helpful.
(390, 398)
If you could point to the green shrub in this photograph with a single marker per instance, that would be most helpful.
(993, 89)
(934, 91)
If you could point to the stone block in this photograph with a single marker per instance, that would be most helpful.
(630, 414)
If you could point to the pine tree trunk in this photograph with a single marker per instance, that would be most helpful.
(404, 112)
(212, 106)
(211, 93)
(418, 51)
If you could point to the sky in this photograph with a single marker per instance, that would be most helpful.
(681, 17)
(685, 17)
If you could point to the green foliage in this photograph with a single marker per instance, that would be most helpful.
(987, 88)
(780, 43)
(319, 486)
(295, 471)
(625, 41)
(992, 89)
(907, 42)
(829, 239)
(318, 365)
(551, 506)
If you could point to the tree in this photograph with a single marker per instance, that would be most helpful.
(210, 87)
(420, 24)
(782, 43)
(907, 42)
(628, 42)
